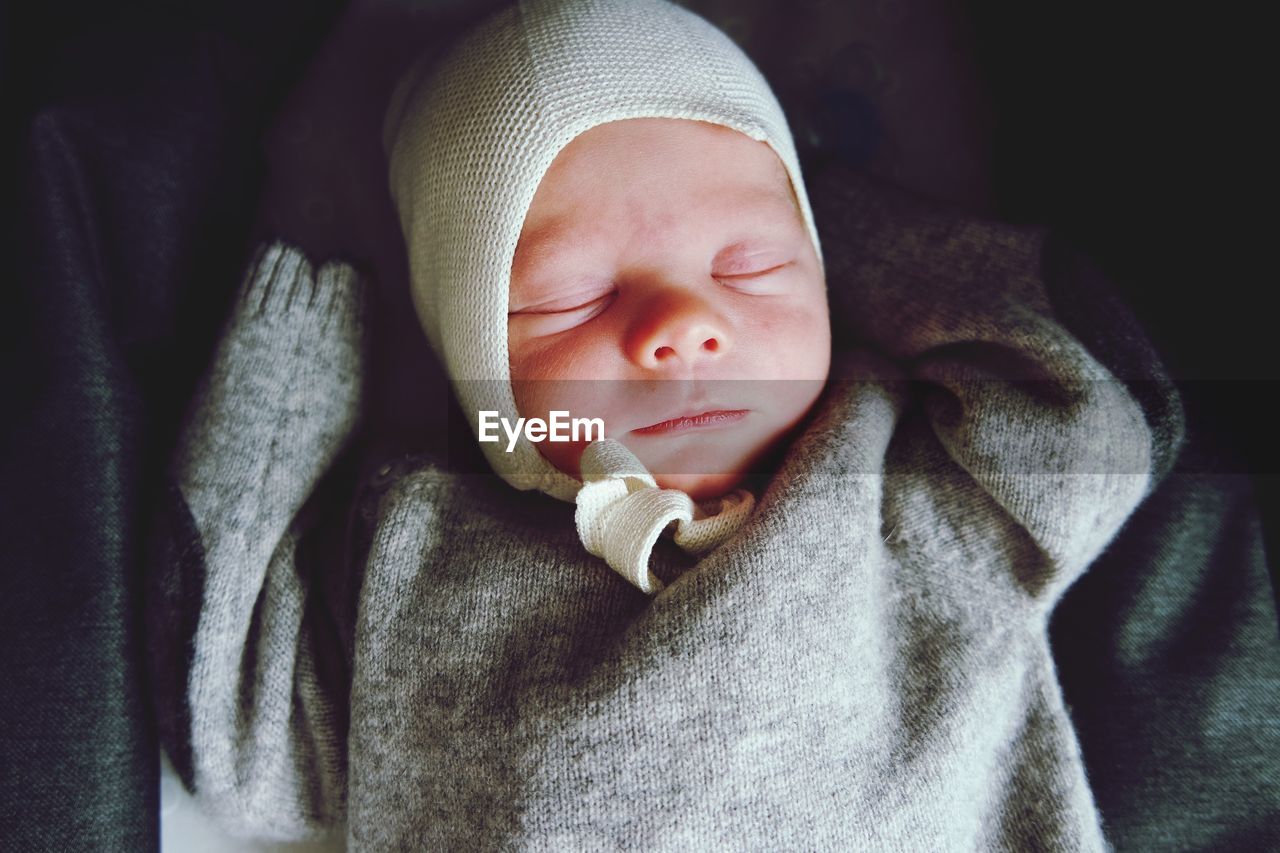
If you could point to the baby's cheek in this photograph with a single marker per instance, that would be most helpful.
(532, 359)
(570, 355)
(795, 339)
(538, 398)
(565, 455)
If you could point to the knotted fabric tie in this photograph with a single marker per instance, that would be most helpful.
(622, 512)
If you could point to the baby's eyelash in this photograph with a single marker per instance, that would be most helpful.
(570, 310)
(757, 272)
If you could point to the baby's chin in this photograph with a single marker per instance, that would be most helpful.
(701, 487)
(723, 467)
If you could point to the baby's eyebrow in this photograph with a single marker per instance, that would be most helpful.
(769, 204)
(546, 240)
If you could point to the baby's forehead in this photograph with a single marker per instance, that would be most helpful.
(581, 209)
(645, 156)
(749, 209)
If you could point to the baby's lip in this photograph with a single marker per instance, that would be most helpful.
(700, 418)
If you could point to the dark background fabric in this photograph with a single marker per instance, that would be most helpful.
(1167, 648)
(137, 174)
(135, 168)
(1126, 130)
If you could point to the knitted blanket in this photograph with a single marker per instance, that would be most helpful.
(865, 665)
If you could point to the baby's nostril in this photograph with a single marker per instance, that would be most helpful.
(662, 352)
(711, 344)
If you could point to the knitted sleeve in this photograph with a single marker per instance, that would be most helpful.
(1040, 425)
(257, 722)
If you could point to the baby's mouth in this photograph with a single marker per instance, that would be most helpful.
(712, 419)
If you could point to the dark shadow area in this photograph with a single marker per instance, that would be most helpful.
(1128, 130)
(133, 172)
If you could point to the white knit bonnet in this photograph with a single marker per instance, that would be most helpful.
(468, 139)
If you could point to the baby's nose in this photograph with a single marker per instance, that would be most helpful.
(677, 329)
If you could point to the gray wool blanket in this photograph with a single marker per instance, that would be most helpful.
(864, 665)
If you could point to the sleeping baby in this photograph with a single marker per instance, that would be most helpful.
(792, 594)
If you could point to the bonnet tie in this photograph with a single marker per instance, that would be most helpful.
(621, 512)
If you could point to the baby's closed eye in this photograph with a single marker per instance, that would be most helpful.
(548, 317)
(566, 304)
(754, 280)
(751, 267)
(733, 262)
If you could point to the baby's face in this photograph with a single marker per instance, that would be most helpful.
(661, 262)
